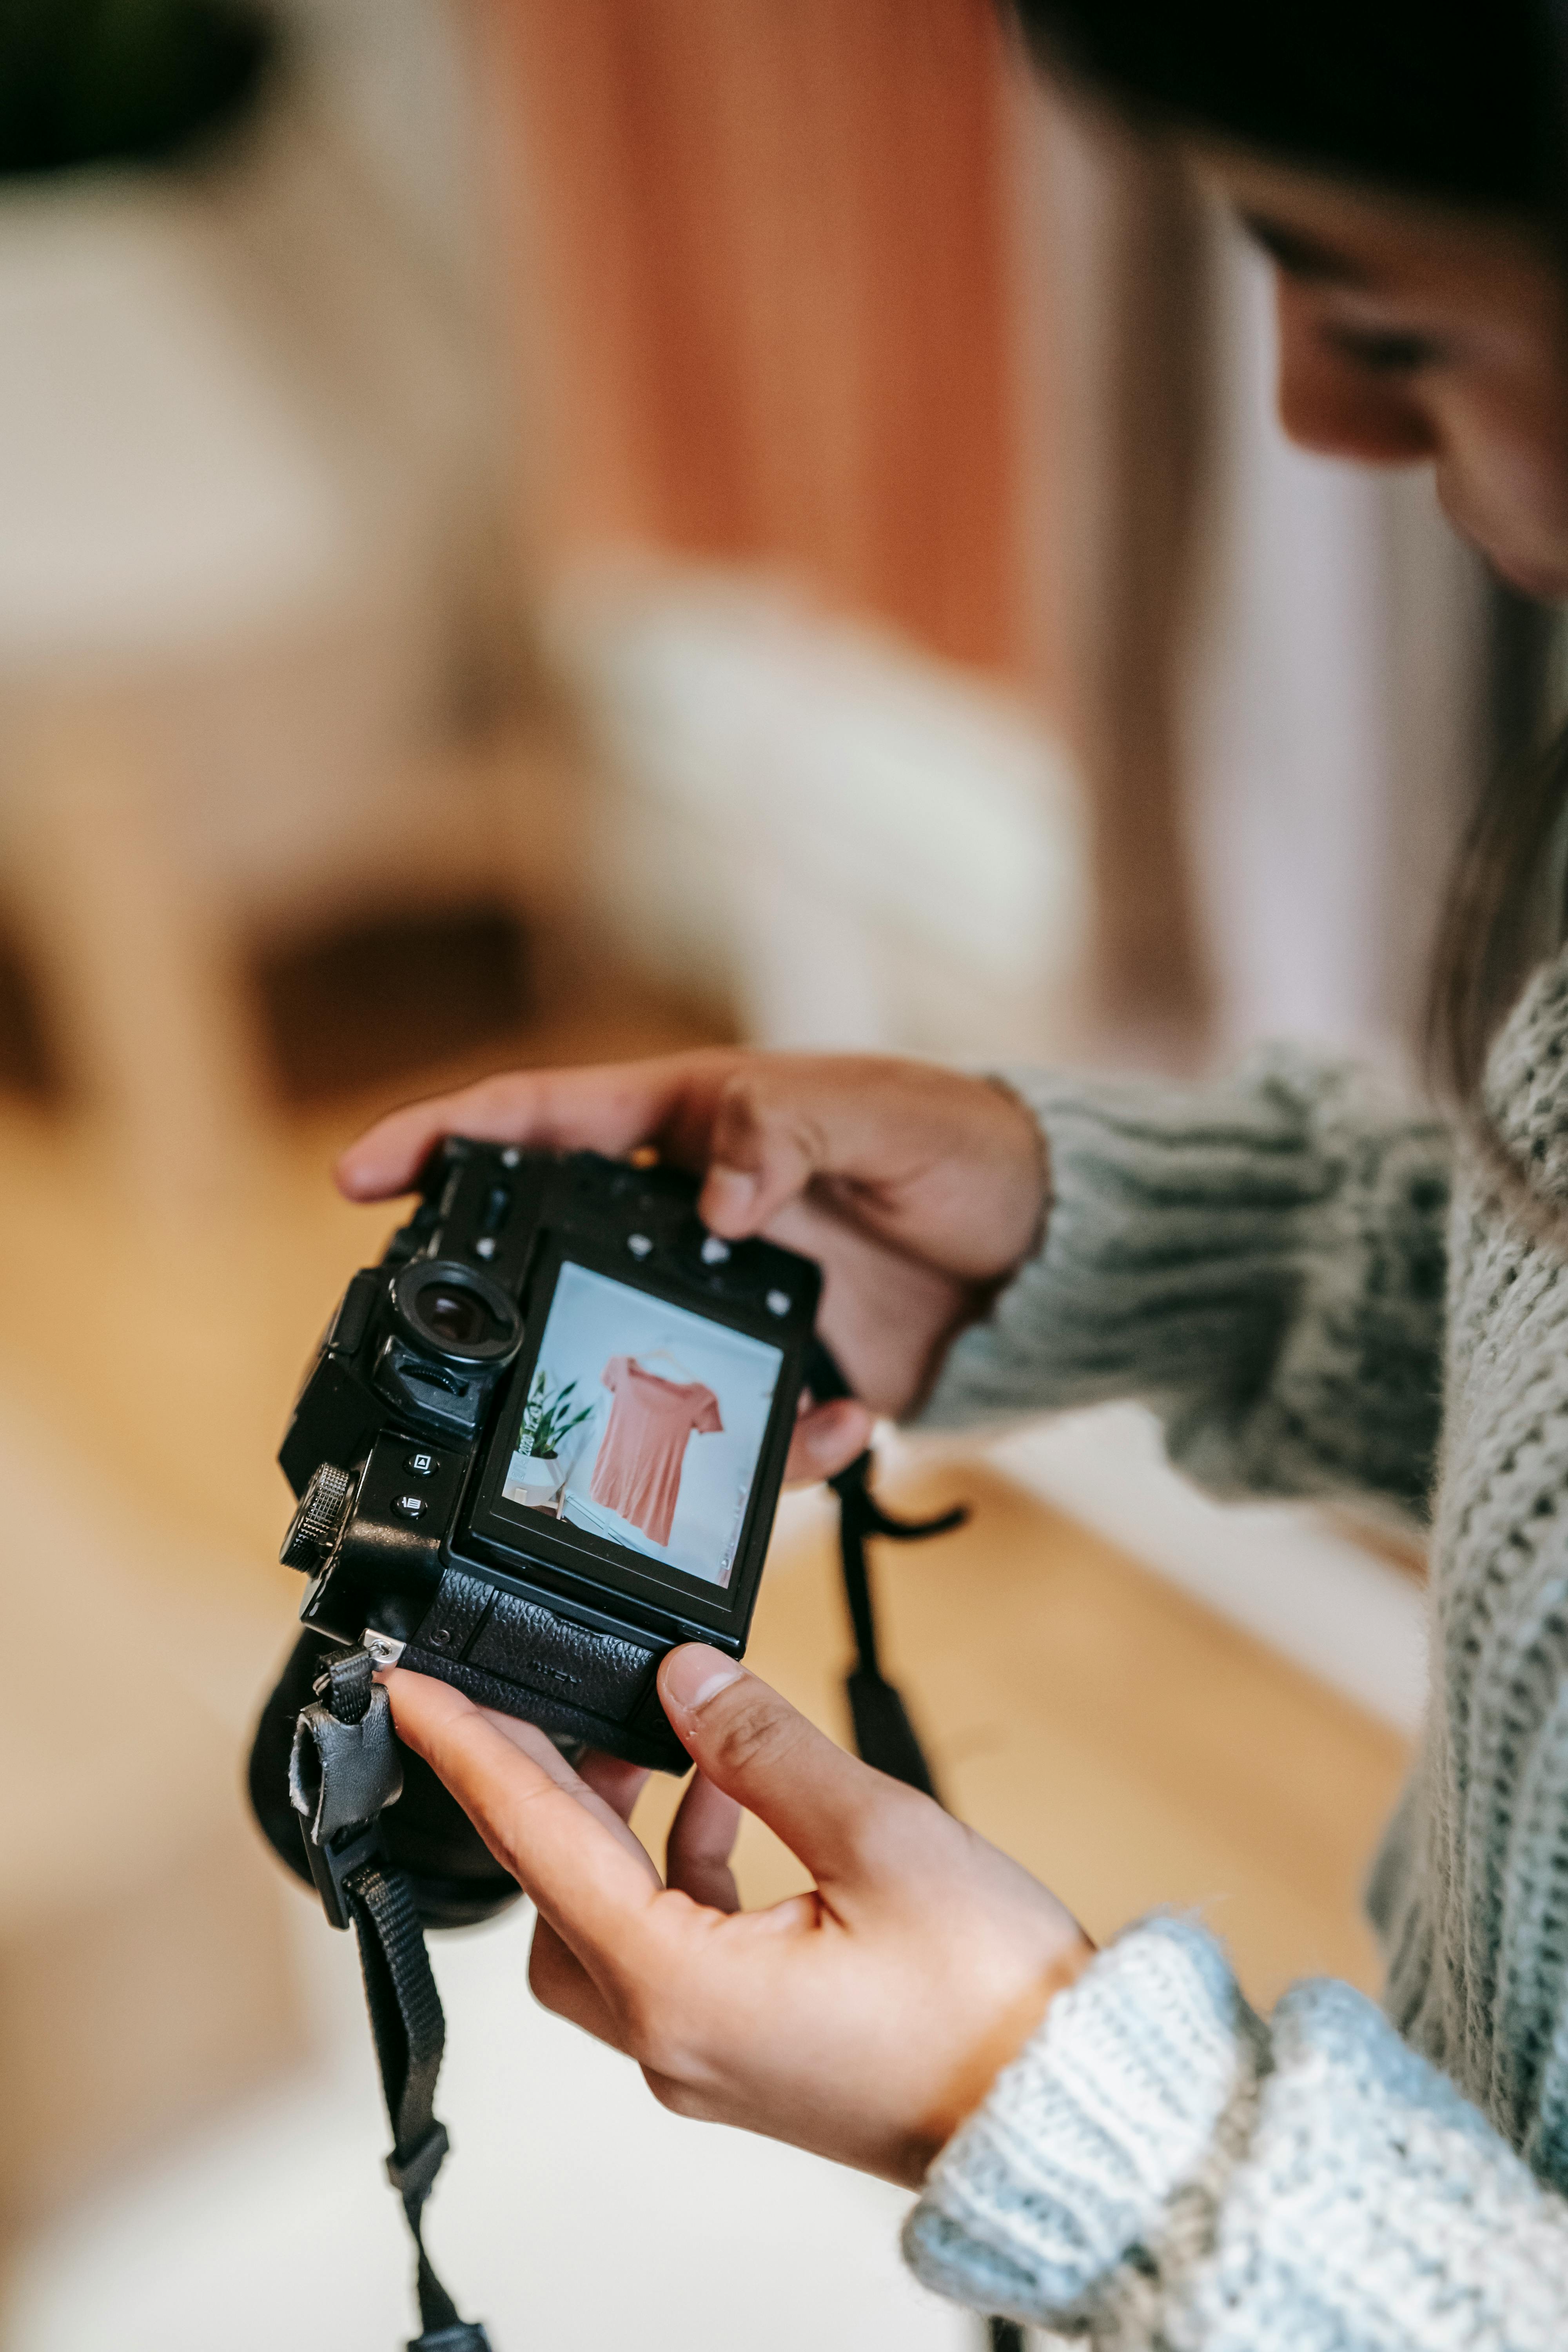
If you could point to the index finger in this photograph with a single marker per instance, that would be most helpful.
(611, 1107)
(582, 1880)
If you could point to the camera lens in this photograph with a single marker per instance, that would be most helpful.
(460, 1317)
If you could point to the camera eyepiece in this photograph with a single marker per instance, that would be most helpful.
(456, 1311)
(456, 1315)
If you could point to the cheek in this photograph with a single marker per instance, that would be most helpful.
(1502, 478)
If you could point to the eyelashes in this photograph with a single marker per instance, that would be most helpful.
(1386, 351)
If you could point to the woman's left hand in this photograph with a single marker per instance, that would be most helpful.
(863, 2021)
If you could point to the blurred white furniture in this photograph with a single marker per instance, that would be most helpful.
(863, 847)
(244, 472)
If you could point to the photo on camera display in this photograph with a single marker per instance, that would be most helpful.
(643, 1423)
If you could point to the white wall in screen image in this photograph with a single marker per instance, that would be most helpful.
(594, 1319)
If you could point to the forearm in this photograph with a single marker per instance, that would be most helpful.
(1163, 2170)
(1261, 1261)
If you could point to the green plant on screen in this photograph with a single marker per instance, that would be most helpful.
(548, 1418)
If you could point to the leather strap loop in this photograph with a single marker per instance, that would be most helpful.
(341, 1772)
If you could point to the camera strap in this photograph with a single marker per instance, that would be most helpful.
(884, 1735)
(344, 1771)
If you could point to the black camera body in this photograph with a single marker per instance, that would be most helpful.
(543, 1441)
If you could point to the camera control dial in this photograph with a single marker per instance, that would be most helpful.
(317, 1523)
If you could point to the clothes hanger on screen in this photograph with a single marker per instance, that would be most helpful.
(663, 1355)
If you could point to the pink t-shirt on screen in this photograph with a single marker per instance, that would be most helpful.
(637, 1472)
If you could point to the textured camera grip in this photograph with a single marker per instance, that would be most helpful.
(523, 1659)
(533, 1646)
(524, 1643)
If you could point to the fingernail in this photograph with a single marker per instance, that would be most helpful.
(729, 1194)
(693, 1674)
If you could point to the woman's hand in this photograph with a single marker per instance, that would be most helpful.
(916, 1188)
(864, 2021)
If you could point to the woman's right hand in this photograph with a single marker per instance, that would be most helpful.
(863, 2021)
(917, 1189)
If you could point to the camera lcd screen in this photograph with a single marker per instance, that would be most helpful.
(643, 1423)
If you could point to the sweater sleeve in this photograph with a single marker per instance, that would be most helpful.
(1161, 2171)
(1261, 1261)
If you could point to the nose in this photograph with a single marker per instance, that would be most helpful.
(1331, 403)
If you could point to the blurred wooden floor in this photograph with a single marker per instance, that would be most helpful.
(1127, 1745)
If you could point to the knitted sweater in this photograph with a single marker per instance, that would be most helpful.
(1264, 1263)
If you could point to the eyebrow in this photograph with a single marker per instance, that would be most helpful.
(1302, 257)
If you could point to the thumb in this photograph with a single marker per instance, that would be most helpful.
(756, 1748)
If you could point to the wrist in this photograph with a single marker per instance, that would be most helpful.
(1007, 2035)
(1034, 1165)
(1019, 1203)
(1074, 2166)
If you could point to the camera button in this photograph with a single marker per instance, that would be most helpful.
(778, 1302)
(639, 1244)
(410, 1507)
(423, 1465)
(715, 1251)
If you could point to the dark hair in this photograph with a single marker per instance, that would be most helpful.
(1434, 97)
(114, 81)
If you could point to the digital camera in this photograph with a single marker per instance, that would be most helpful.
(541, 1443)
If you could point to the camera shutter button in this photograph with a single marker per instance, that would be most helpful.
(317, 1523)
